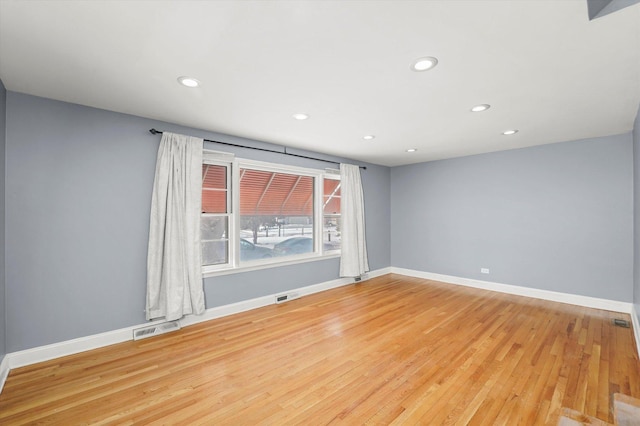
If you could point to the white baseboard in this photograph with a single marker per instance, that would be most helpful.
(73, 346)
(70, 347)
(4, 371)
(635, 323)
(572, 299)
(377, 273)
(259, 302)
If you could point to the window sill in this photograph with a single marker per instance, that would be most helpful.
(253, 267)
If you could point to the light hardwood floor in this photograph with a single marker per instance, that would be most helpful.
(392, 350)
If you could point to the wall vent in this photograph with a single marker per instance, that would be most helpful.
(621, 323)
(154, 330)
(362, 277)
(281, 298)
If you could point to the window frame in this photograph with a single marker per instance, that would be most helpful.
(330, 175)
(234, 264)
(215, 158)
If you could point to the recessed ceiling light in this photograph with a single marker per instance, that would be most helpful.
(424, 64)
(300, 116)
(510, 132)
(480, 108)
(412, 150)
(368, 137)
(188, 81)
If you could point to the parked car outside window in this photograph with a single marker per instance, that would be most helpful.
(295, 245)
(250, 251)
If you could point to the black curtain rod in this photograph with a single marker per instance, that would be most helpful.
(158, 132)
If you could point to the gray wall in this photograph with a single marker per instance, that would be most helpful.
(3, 99)
(78, 194)
(78, 184)
(555, 217)
(636, 214)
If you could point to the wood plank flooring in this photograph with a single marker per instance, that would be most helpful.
(391, 350)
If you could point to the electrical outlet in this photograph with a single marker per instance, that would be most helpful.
(484, 270)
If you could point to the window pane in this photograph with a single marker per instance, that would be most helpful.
(331, 215)
(214, 231)
(275, 194)
(214, 189)
(276, 213)
(215, 252)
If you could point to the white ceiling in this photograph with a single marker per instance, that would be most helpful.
(541, 64)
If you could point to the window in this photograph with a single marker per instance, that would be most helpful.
(276, 211)
(216, 217)
(256, 214)
(331, 213)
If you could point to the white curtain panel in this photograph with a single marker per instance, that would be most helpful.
(174, 266)
(353, 260)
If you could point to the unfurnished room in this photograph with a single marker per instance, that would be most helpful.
(315, 212)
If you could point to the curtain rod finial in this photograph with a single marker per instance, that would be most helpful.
(154, 131)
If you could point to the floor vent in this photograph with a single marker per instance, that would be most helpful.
(281, 298)
(362, 277)
(154, 330)
(621, 323)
